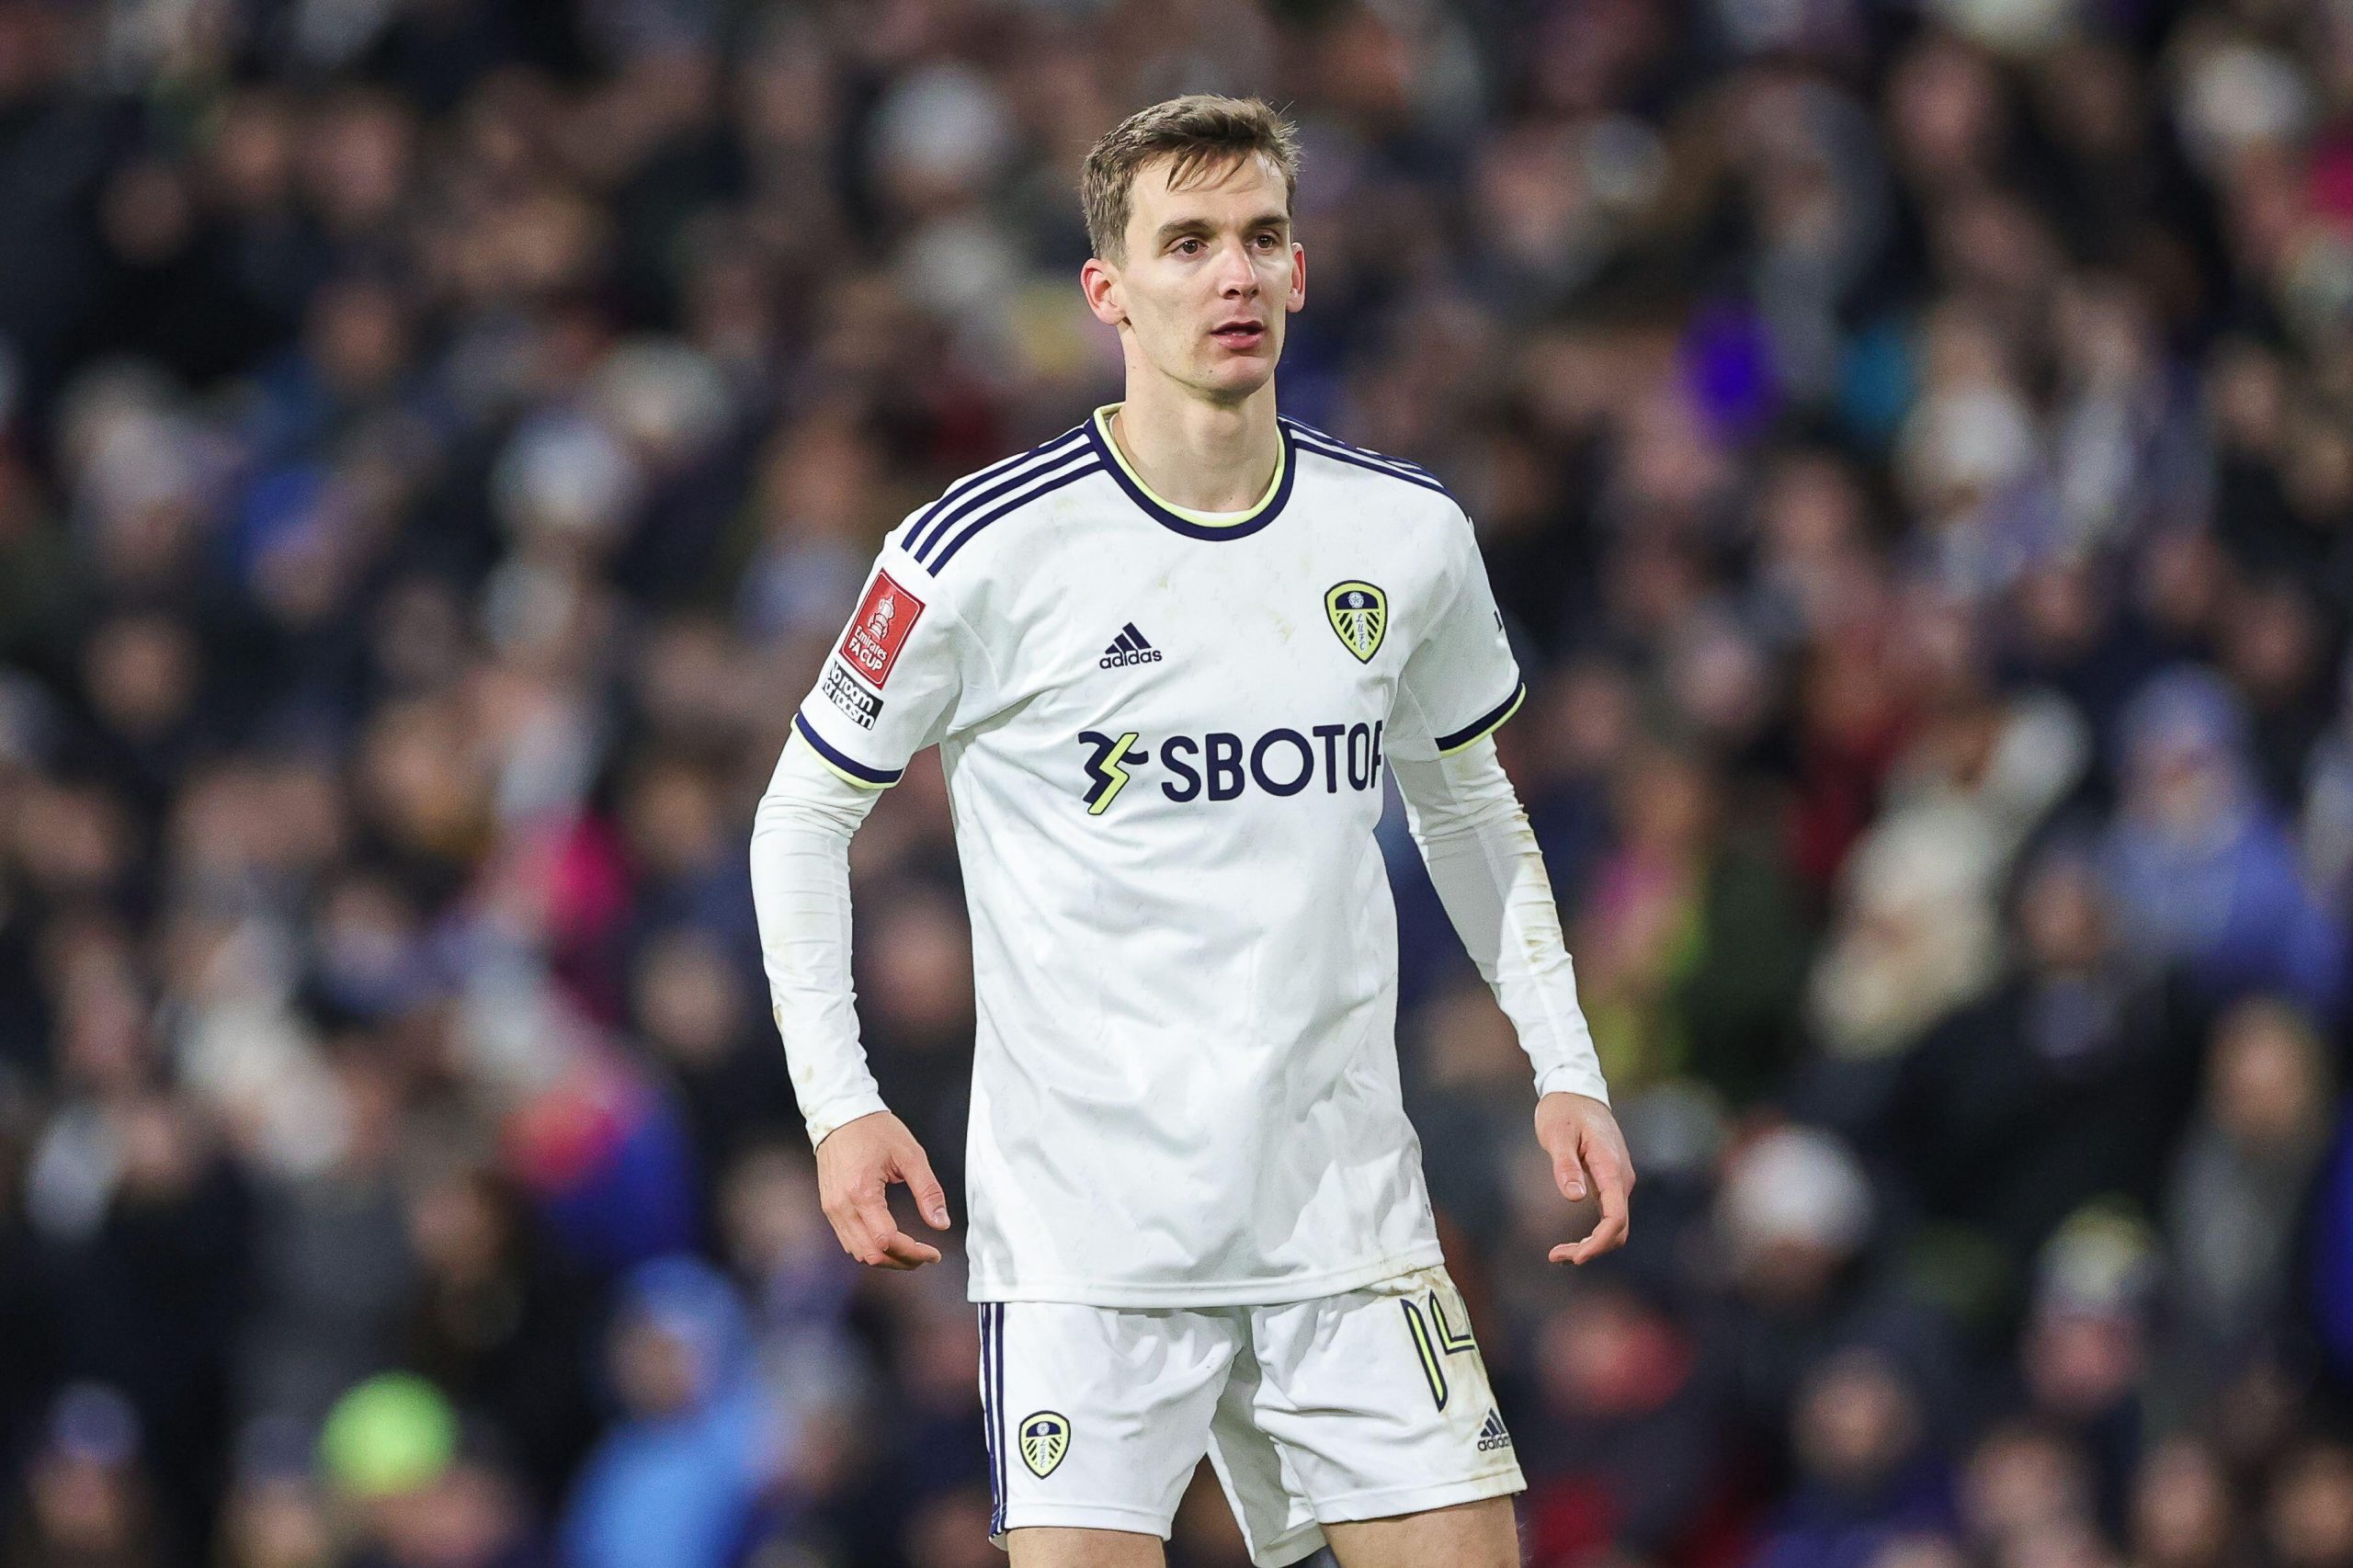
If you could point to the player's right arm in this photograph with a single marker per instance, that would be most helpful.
(801, 888)
(892, 686)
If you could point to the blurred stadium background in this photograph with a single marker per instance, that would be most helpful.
(438, 437)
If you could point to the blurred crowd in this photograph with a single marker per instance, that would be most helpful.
(439, 439)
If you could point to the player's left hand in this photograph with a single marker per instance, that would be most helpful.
(1588, 1157)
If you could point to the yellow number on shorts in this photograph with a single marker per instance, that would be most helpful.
(1434, 1344)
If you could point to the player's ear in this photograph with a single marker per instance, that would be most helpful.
(1099, 281)
(1298, 300)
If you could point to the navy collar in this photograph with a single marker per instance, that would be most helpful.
(1175, 519)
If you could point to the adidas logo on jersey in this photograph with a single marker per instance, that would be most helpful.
(1492, 1435)
(1128, 648)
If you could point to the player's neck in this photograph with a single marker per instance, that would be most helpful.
(1207, 457)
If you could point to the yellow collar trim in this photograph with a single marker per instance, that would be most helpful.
(1202, 520)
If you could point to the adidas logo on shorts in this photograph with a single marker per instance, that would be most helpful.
(1128, 648)
(1492, 1435)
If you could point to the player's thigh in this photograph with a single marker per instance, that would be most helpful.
(1378, 1403)
(1096, 1420)
(1059, 1548)
(1483, 1534)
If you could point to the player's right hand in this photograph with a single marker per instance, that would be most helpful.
(856, 1163)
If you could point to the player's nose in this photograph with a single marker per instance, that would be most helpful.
(1236, 278)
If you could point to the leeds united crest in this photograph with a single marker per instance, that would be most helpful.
(1045, 1438)
(1360, 614)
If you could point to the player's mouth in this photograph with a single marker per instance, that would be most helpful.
(1242, 335)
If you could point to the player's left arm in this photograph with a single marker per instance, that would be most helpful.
(1484, 860)
(1458, 684)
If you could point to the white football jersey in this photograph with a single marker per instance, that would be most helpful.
(1165, 735)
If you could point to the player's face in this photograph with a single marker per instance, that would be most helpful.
(1210, 275)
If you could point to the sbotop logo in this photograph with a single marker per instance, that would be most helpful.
(1221, 765)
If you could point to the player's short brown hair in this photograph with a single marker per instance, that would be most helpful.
(1201, 132)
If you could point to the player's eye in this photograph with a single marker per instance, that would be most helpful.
(1186, 247)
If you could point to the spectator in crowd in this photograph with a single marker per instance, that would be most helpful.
(680, 1475)
(414, 1492)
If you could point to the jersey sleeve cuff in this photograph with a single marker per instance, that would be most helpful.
(865, 774)
(1572, 1078)
(1485, 724)
(830, 1118)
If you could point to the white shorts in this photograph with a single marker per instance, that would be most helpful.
(1357, 1406)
